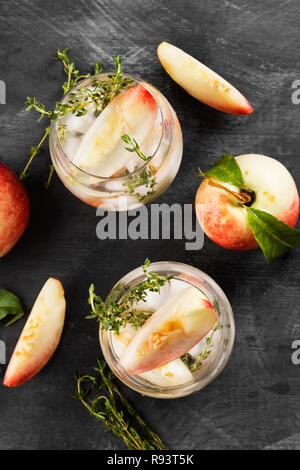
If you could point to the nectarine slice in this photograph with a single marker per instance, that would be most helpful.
(201, 82)
(101, 150)
(171, 374)
(170, 332)
(40, 336)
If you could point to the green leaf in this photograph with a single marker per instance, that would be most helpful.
(273, 236)
(226, 169)
(10, 304)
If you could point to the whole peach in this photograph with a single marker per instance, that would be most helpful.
(274, 191)
(14, 209)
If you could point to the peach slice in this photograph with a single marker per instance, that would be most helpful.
(101, 150)
(170, 332)
(40, 336)
(201, 82)
(171, 374)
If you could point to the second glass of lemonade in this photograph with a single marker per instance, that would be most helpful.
(120, 158)
(202, 363)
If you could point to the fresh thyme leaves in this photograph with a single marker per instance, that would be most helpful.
(113, 409)
(34, 150)
(96, 96)
(113, 314)
(206, 352)
(48, 182)
(145, 178)
(134, 147)
(116, 83)
(73, 75)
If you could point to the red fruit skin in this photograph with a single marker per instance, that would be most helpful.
(140, 94)
(291, 215)
(14, 209)
(226, 228)
(13, 380)
(240, 109)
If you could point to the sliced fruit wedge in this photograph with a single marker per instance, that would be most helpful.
(101, 150)
(40, 336)
(201, 82)
(170, 332)
(171, 374)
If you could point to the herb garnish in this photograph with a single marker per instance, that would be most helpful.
(114, 315)
(10, 304)
(97, 97)
(145, 177)
(112, 408)
(206, 352)
(134, 147)
(274, 237)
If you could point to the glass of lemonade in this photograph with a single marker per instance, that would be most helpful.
(97, 166)
(202, 363)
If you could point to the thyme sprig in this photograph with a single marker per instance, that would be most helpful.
(134, 147)
(145, 178)
(34, 150)
(73, 74)
(113, 314)
(113, 409)
(96, 97)
(195, 365)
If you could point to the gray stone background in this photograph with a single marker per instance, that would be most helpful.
(254, 403)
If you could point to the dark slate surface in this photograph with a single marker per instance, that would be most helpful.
(255, 402)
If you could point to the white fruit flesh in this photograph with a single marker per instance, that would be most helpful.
(40, 336)
(201, 82)
(172, 374)
(101, 150)
(274, 187)
(170, 332)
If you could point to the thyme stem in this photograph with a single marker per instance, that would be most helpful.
(115, 314)
(114, 410)
(96, 97)
(34, 152)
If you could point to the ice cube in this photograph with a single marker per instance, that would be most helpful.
(70, 144)
(78, 125)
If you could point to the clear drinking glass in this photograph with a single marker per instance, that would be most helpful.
(125, 191)
(212, 366)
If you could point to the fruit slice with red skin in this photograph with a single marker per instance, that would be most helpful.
(14, 209)
(201, 82)
(40, 336)
(225, 221)
(170, 375)
(101, 150)
(170, 332)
